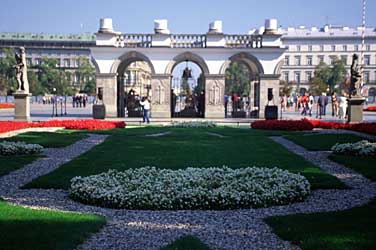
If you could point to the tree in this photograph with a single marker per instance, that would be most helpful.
(338, 74)
(36, 87)
(8, 81)
(87, 75)
(237, 79)
(285, 88)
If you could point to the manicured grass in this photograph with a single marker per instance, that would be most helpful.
(129, 148)
(58, 139)
(364, 165)
(11, 163)
(29, 229)
(321, 142)
(353, 229)
(186, 243)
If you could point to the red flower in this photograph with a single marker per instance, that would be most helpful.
(370, 108)
(89, 124)
(6, 105)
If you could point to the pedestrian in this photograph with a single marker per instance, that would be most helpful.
(310, 104)
(304, 102)
(322, 102)
(146, 107)
(343, 106)
(334, 104)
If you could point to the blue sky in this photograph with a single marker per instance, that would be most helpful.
(190, 16)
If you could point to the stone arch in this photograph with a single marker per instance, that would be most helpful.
(251, 61)
(277, 70)
(124, 60)
(187, 56)
(95, 64)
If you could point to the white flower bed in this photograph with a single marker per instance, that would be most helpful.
(19, 148)
(194, 124)
(191, 188)
(359, 148)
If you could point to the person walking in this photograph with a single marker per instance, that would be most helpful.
(343, 106)
(334, 104)
(310, 104)
(146, 107)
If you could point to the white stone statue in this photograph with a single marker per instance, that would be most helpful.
(21, 71)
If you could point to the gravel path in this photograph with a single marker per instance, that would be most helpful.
(144, 230)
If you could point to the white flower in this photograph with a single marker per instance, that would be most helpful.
(359, 148)
(19, 148)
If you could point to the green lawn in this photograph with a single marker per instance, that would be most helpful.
(321, 142)
(11, 163)
(29, 229)
(364, 165)
(353, 229)
(129, 148)
(57, 139)
(186, 243)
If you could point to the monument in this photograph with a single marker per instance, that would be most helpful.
(355, 100)
(22, 94)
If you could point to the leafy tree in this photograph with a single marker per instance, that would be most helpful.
(36, 87)
(8, 81)
(338, 74)
(237, 79)
(285, 88)
(87, 75)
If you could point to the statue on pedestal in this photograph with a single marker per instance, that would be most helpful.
(355, 77)
(21, 71)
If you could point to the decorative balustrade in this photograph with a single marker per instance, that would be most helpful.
(244, 41)
(133, 41)
(188, 41)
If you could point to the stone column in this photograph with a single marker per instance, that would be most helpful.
(22, 106)
(160, 96)
(107, 81)
(214, 96)
(268, 81)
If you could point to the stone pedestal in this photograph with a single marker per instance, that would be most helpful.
(355, 109)
(268, 82)
(108, 83)
(22, 106)
(99, 111)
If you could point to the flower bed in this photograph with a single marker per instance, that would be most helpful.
(89, 124)
(369, 128)
(370, 108)
(292, 125)
(364, 148)
(6, 105)
(19, 148)
(191, 188)
(194, 124)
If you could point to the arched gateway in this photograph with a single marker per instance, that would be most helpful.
(212, 52)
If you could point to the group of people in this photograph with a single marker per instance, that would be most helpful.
(79, 101)
(305, 104)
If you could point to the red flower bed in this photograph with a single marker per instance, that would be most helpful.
(68, 124)
(369, 128)
(292, 125)
(6, 105)
(370, 108)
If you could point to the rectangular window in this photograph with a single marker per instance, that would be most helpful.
(309, 76)
(287, 61)
(366, 77)
(367, 60)
(309, 60)
(356, 47)
(38, 61)
(321, 47)
(297, 77)
(298, 48)
(286, 76)
(368, 47)
(74, 63)
(344, 47)
(321, 59)
(69, 77)
(297, 60)
(310, 48)
(344, 59)
(333, 48)
(66, 63)
(331, 60)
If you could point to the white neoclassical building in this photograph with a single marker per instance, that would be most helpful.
(212, 52)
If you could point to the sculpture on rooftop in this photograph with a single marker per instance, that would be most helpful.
(356, 76)
(21, 71)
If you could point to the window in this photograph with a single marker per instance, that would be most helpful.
(321, 47)
(77, 77)
(38, 61)
(344, 59)
(66, 63)
(74, 63)
(344, 47)
(298, 48)
(367, 60)
(366, 77)
(333, 48)
(286, 61)
(297, 60)
(356, 47)
(368, 47)
(331, 60)
(309, 76)
(321, 59)
(297, 77)
(286, 76)
(310, 48)
(309, 60)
